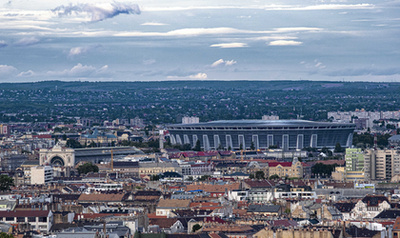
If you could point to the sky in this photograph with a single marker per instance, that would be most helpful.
(158, 40)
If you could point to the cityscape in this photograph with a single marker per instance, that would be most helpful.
(199, 119)
(85, 160)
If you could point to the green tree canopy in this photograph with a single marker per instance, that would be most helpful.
(260, 175)
(87, 168)
(323, 169)
(6, 183)
(196, 227)
(338, 148)
(197, 147)
(273, 177)
(71, 143)
(5, 235)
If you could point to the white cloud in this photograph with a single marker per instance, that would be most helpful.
(297, 29)
(97, 12)
(80, 70)
(230, 45)
(193, 76)
(230, 62)
(284, 42)
(7, 70)
(185, 32)
(218, 62)
(75, 51)
(198, 76)
(27, 41)
(153, 24)
(271, 7)
(319, 64)
(337, 7)
(221, 61)
(28, 73)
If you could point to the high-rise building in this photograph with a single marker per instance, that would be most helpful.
(41, 175)
(381, 164)
(354, 164)
(354, 159)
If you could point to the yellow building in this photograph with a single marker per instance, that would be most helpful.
(286, 169)
(343, 175)
(158, 168)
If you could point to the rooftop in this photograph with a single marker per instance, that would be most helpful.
(295, 123)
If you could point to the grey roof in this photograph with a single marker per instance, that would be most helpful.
(261, 123)
(237, 174)
(121, 150)
(394, 138)
(345, 193)
(263, 208)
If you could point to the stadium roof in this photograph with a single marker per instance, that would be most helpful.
(264, 123)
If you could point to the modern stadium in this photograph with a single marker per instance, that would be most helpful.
(262, 134)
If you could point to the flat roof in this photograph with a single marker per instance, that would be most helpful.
(262, 123)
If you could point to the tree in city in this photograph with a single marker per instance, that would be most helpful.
(204, 177)
(197, 147)
(71, 143)
(5, 235)
(155, 178)
(252, 147)
(6, 183)
(273, 177)
(220, 147)
(324, 170)
(338, 148)
(260, 175)
(186, 147)
(87, 168)
(196, 227)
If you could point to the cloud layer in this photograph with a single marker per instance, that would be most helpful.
(97, 12)
(223, 62)
(225, 39)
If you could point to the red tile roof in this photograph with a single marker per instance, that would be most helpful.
(212, 188)
(283, 164)
(214, 220)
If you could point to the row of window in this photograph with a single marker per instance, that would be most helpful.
(241, 141)
(29, 219)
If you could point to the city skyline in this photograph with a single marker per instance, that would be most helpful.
(140, 40)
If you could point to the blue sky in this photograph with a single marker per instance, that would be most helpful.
(199, 40)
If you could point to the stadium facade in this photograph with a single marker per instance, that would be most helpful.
(284, 134)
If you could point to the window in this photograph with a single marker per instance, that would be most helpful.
(313, 142)
(241, 142)
(270, 140)
(31, 219)
(20, 219)
(9, 218)
(300, 141)
(285, 142)
(42, 219)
